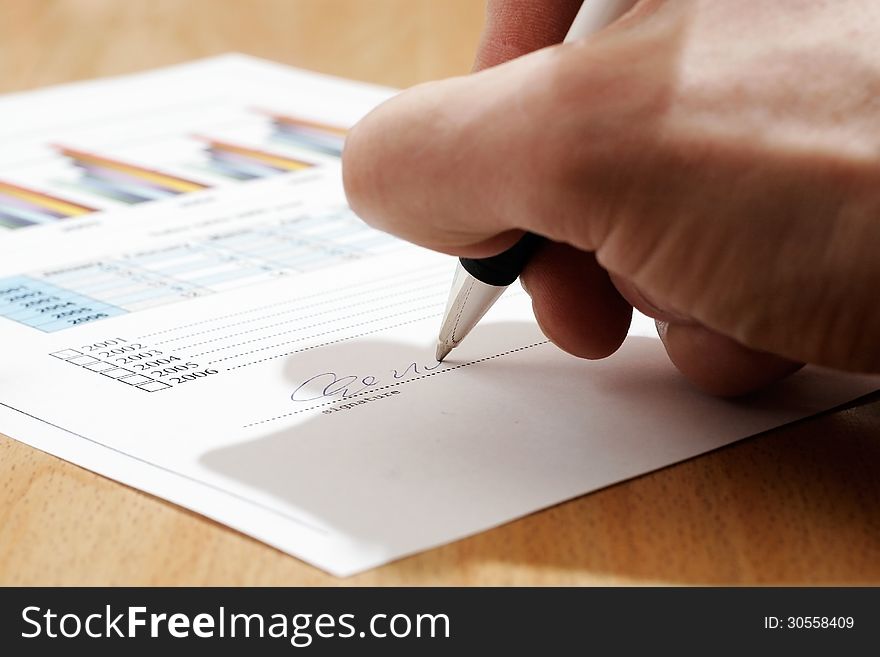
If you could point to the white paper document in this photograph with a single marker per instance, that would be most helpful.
(188, 306)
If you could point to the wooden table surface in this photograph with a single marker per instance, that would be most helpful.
(797, 505)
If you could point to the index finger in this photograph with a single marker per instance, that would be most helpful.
(516, 27)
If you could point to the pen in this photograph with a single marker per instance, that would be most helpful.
(478, 283)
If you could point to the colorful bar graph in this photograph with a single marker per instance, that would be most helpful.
(126, 182)
(311, 135)
(100, 177)
(21, 207)
(246, 163)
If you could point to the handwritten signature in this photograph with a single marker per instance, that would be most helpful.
(332, 384)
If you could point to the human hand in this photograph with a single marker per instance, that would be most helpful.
(714, 163)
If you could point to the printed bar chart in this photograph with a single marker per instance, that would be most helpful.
(245, 163)
(311, 135)
(86, 171)
(125, 182)
(20, 207)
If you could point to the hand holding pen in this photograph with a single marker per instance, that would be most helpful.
(686, 160)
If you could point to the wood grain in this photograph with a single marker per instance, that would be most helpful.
(797, 505)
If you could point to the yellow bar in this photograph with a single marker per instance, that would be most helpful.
(149, 175)
(271, 159)
(52, 203)
(332, 129)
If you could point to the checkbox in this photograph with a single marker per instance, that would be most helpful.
(66, 354)
(117, 373)
(135, 379)
(82, 360)
(153, 386)
(99, 366)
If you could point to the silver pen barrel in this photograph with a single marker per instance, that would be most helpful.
(469, 300)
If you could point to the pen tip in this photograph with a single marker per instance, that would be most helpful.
(442, 351)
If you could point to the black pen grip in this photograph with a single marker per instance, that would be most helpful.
(504, 268)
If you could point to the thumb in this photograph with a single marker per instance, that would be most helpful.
(461, 165)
